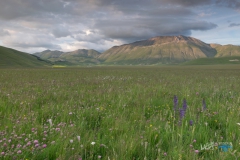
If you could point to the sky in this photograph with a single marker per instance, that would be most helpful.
(67, 25)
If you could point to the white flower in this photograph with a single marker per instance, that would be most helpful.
(93, 143)
(238, 124)
(50, 122)
(71, 141)
(78, 137)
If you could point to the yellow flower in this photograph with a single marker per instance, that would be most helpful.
(150, 125)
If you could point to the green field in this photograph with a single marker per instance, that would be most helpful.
(214, 61)
(119, 113)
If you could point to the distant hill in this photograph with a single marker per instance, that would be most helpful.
(78, 57)
(158, 50)
(226, 50)
(10, 58)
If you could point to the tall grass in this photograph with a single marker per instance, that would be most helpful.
(119, 113)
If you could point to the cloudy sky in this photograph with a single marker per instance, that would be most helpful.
(67, 25)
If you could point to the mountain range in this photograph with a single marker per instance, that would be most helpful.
(78, 57)
(154, 51)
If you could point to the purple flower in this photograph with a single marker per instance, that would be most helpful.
(181, 113)
(19, 152)
(184, 105)
(44, 145)
(35, 141)
(196, 151)
(204, 107)
(175, 102)
(191, 122)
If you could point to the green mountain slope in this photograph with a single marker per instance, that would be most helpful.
(10, 58)
(163, 49)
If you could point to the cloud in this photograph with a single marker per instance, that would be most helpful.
(56, 24)
(21, 40)
(4, 33)
(61, 31)
(234, 24)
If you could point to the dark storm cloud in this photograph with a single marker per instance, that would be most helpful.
(135, 29)
(234, 24)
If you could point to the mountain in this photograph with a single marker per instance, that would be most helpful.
(158, 50)
(10, 58)
(226, 50)
(78, 57)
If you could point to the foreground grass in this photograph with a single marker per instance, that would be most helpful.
(118, 113)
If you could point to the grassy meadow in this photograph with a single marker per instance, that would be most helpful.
(120, 113)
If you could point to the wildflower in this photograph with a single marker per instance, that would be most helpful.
(57, 129)
(78, 137)
(238, 124)
(36, 145)
(196, 151)
(93, 143)
(71, 141)
(70, 113)
(19, 146)
(2, 153)
(44, 145)
(175, 102)
(182, 113)
(191, 146)
(204, 107)
(194, 140)
(191, 122)
(35, 141)
(184, 105)
(99, 157)
(50, 122)
(19, 152)
(165, 154)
